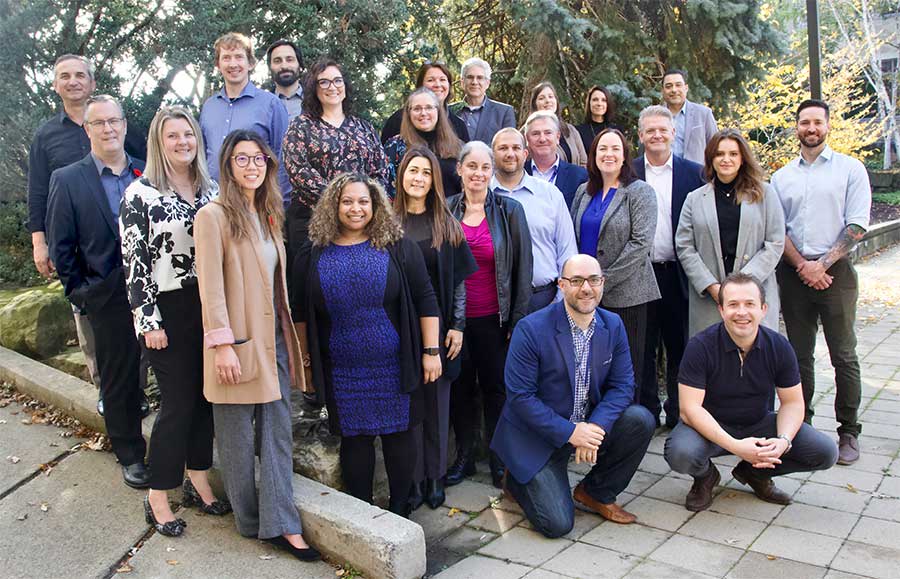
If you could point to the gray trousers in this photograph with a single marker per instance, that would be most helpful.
(86, 343)
(268, 510)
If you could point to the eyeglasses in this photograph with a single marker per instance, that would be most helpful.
(326, 83)
(114, 123)
(475, 78)
(244, 160)
(593, 281)
(418, 110)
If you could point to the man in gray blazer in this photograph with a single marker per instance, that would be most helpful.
(694, 123)
(483, 116)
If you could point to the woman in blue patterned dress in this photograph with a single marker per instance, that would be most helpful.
(363, 299)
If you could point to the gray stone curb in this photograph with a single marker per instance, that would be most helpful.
(878, 237)
(375, 542)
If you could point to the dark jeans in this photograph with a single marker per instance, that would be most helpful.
(802, 307)
(183, 431)
(484, 356)
(635, 320)
(547, 498)
(667, 325)
(358, 465)
(542, 297)
(688, 452)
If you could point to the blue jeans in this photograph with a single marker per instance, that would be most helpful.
(547, 499)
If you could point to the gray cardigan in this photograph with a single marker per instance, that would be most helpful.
(759, 248)
(623, 247)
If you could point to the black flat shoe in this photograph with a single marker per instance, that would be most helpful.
(171, 529)
(192, 498)
(463, 467)
(136, 475)
(434, 493)
(308, 554)
(497, 471)
(416, 495)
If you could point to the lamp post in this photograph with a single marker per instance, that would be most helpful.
(815, 63)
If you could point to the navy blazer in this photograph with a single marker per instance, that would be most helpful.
(83, 236)
(540, 387)
(568, 178)
(686, 176)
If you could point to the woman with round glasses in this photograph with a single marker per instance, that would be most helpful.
(436, 76)
(543, 98)
(425, 124)
(325, 140)
(252, 356)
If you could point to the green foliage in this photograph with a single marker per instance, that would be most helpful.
(891, 197)
(16, 264)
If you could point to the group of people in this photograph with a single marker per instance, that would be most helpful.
(280, 243)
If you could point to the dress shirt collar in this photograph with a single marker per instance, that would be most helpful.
(249, 90)
(100, 165)
(825, 155)
(554, 168)
(473, 108)
(63, 117)
(576, 328)
(525, 184)
(658, 169)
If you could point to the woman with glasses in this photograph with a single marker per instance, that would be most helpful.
(325, 140)
(433, 75)
(251, 352)
(364, 301)
(425, 124)
(734, 223)
(543, 98)
(156, 223)
(615, 221)
(599, 114)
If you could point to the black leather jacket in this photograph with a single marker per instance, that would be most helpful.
(512, 252)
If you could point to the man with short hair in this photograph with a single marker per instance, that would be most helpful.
(570, 387)
(285, 61)
(726, 380)
(549, 222)
(672, 178)
(826, 199)
(83, 230)
(242, 105)
(542, 135)
(694, 123)
(483, 116)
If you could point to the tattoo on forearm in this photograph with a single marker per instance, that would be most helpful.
(851, 235)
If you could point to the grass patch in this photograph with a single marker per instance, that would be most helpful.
(891, 197)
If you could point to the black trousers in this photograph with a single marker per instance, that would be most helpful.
(667, 326)
(484, 358)
(358, 466)
(635, 320)
(119, 362)
(183, 431)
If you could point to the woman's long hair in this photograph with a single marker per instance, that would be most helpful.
(311, 104)
(446, 143)
(267, 200)
(595, 178)
(610, 105)
(325, 226)
(444, 226)
(159, 169)
(532, 103)
(748, 185)
(442, 66)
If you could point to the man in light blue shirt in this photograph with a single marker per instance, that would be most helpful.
(826, 199)
(549, 222)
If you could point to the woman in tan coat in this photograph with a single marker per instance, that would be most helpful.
(251, 353)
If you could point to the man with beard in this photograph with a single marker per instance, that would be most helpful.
(826, 199)
(285, 60)
(569, 389)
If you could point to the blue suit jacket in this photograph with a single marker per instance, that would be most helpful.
(83, 236)
(540, 387)
(686, 176)
(568, 178)
(494, 116)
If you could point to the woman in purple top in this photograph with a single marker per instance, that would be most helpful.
(497, 298)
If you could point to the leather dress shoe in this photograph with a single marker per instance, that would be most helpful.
(416, 495)
(308, 554)
(100, 406)
(497, 471)
(762, 486)
(463, 466)
(848, 449)
(610, 512)
(136, 475)
(699, 498)
(145, 406)
(434, 492)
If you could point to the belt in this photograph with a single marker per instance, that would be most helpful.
(545, 287)
(664, 264)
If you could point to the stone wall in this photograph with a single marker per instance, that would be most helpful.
(884, 181)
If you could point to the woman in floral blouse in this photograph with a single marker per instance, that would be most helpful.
(156, 223)
(323, 142)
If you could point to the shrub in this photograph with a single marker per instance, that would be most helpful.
(16, 262)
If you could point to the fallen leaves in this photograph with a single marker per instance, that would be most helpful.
(852, 489)
(45, 507)
(453, 511)
(13, 459)
(266, 557)
(125, 568)
(172, 562)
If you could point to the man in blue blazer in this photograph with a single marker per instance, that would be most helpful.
(542, 136)
(667, 318)
(570, 385)
(483, 117)
(83, 231)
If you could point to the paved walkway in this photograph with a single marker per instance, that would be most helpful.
(844, 522)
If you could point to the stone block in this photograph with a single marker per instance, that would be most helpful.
(755, 566)
(589, 562)
(884, 507)
(438, 523)
(745, 505)
(653, 570)
(659, 514)
(477, 567)
(817, 520)
(525, 547)
(72, 363)
(723, 529)
(496, 521)
(842, 499)
(635, 540)
(797, 545)
(868, 560)
(877, 532)
(471, 496)
(697, 555)
(37, 323)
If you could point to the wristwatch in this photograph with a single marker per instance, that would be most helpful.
(432, 351)
(788, 440)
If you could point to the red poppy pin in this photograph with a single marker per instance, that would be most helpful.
(137, 172)
(271, 221)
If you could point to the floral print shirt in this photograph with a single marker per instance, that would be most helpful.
(315, 152)
(157, 231)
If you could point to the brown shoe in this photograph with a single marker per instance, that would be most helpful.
(848, 449)
(700, 496)
(762, 485)
(610, 512)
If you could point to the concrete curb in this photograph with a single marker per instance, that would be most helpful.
(877, 238)
(375, 542)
